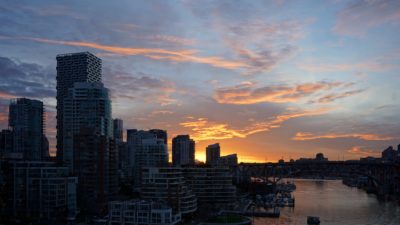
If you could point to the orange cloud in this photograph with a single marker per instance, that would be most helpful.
(153, 53)
(360, 150)
(247, 93)
(202, 129)
(300, 136)
(333, 97)
(5, 95)
(171, 39)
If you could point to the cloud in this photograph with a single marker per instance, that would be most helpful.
(318, 67)
(363, 151)
(20, 79)
(161, 112)
(188, 55)
(306, 136)
(203, 129)
(333, 97)
(361, 15)
(139, 87)
(248, 93)
(167, 39)
(262, 45)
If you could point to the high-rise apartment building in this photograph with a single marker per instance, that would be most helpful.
(118, 128)
(95, 165)
(26, 121)
(213, 153)
(86, 106)
(72, 68)
(183, 150)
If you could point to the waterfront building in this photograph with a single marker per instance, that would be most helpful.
(118, 128)
(183, 150)
(72, 68)
(87, 105)
(135, 212)
(320, 157)
(145, 149)
(213, 153)
(210, 184)
(228, 160)
(39, 190)
(26, 122)
(96, 165)
(167, 184)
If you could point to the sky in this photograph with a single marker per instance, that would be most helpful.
(268, 80)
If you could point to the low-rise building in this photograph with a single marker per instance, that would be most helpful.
(39, 189)
(228, 160)
(167, 184)
(138, 212)
(210, 184)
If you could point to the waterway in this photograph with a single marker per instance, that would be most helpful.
(335, 204)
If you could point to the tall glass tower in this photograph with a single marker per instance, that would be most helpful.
(87, 106)
(71, 68)
(26, 121)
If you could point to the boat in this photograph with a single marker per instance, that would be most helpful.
(313, 220)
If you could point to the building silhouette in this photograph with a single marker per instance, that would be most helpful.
(26, 122)
(72, 68)
(210, 184)
(167, 184)
(183, 150)
(96, 165)
(87, 105)
(6, 143)
(39, 190)
(160, 134)
(145, 150)
(213, 153)
(228, 160)
(118, 129)
(141, 212)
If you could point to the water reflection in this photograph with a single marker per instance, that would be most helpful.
(335, 204)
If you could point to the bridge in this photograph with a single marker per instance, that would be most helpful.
(383, 177)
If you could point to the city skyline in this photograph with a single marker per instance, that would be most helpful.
(287, 84)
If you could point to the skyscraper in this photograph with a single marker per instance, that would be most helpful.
(118, 126)
(213, 154)
(95, 165)
(71, 68)
(86, 106)
(183, 150)
(26, 121)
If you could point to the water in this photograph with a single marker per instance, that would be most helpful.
(335, 204)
